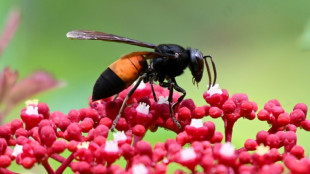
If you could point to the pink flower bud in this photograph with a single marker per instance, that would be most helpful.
(72, 145)
(81, 167)
(16, 124)
(106, 121)
(298, 151)
(305, 125)
(189, 103)
(28, 162)
(44, 110)
(99, 169)
(273, 141)
(5, 131)
(217, 137)
(74, 116)
(283, 119)
(87, 124)
(5, 161)
(263, 115)
(47, 135)
(261, 137)
(215, 112)
(73, 132)
(144, 148)
(245, 157)
(250, 144)
(229, 106)
(302, 107)
(101, 130)
(160, 168)
(297, 116)
(59, 146)
(198, 113)
(139, 130)
(64, 123)
(290, 139)
(184, 113)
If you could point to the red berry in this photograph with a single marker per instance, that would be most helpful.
(250, 144)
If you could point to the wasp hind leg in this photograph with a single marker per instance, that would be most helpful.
(126, 99)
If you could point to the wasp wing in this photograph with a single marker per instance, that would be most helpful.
(96, 35)
(147, 55)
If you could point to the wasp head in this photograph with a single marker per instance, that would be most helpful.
(196, 65)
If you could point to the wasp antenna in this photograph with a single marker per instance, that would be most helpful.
(208, 70)
(214, 70)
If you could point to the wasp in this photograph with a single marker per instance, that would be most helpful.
(162, 65)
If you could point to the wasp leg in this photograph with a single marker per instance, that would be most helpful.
(154, 94)
(181, 90)
(126, 99)
(170, 107)
(170, 85)
(116, 96)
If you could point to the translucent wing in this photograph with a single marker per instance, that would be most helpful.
(96, 35)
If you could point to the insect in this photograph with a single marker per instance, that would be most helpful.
(166, 62)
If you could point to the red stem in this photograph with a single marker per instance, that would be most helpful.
(47, 167)
(58, 158)
(65, 164)
(228, 125)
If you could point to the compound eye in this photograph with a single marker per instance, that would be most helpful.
(196, 64)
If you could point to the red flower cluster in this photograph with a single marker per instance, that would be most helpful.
(42, 135)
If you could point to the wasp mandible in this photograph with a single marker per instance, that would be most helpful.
(166, 62)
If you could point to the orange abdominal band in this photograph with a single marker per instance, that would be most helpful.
(128, 68)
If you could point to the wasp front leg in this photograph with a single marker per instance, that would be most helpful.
(126, 99)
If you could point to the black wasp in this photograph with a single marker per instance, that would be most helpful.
(166, 62)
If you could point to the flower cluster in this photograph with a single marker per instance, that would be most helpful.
(41, 135)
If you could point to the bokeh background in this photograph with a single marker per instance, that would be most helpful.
(261, 48)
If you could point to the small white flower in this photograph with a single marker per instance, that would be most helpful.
(197, 123)
(84, 144)
(262, 150)
(215, 90)
(162, 100)
(143, 108)
(142, 85)
(119, 136)
(188, 154)
(139, 169)
(32, 110)
(227, 149)
(18, 149)
(111, 146)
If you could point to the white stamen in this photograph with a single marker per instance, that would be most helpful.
(142, 85)
(188, 154)
(162, 100)
(84, 144)
(215, 90)
(111, 146)
(143, 108)
(119, 136)
(32, 110)
(197, 123)
(18, 149)
(139, 169)
(227, 149)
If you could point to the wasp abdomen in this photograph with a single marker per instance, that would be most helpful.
(118, 76)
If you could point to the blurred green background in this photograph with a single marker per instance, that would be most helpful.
(261, 48)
